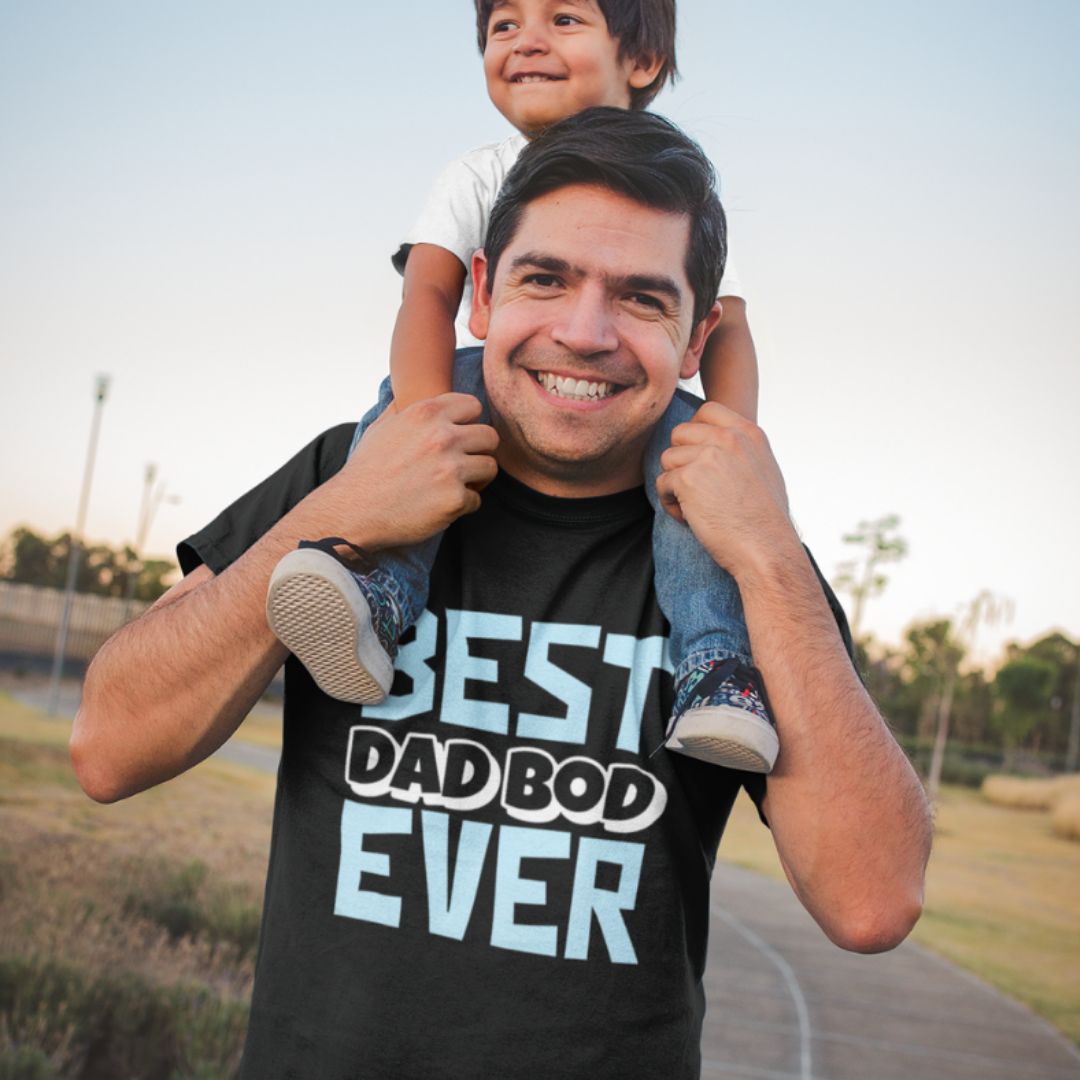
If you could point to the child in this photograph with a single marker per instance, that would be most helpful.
(544, 60)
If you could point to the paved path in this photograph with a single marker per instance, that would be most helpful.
(786, 1004)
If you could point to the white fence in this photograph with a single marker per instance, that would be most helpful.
(30, 620)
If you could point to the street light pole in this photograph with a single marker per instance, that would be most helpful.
(100, 390)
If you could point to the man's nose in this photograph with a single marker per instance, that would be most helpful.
(586, 323)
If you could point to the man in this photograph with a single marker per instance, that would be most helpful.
(490, 874)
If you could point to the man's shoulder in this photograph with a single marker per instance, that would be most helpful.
(237, 527)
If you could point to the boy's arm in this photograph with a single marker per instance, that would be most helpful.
(422, 349)
(729, 370)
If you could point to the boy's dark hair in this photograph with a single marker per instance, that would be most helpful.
(641, 27)
(639, 155)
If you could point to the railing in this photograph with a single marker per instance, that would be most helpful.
(30, 620)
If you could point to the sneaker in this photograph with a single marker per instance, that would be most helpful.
(339, 624)
(725, 718)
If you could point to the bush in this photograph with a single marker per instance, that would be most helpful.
(115, 1026)
(1026, 794)
(1066, 819)
(186, 904)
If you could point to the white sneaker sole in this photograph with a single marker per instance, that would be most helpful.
(319, 614)
(731, 737)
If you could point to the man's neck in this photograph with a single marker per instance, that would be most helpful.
(569, 480)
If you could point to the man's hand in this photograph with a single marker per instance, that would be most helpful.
(207, 641)
(847, 813)
(720, 478)
(414, 473)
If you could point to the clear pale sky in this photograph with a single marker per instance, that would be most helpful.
(201, 200)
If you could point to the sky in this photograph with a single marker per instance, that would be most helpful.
(201, 200)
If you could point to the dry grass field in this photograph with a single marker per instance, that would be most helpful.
(127, 932)
(163, 891)
(1002, 897)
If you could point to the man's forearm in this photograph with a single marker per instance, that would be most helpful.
(847, 812)
(169, 689)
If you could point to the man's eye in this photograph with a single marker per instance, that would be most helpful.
(645, 300)
(545, 281)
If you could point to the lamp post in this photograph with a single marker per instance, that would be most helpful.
(151, 500)
(100, 390)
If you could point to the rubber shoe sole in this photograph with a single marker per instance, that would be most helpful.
(724, 735)
(318, 612)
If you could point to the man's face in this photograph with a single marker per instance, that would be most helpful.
(589, 328)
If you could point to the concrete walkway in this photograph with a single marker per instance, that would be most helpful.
(785, 1004)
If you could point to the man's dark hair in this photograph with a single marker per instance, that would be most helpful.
(641, 27)
(639, 155)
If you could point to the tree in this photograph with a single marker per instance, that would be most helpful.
(1022, 689)
(984, 608)
(30, 559)
(859, 577)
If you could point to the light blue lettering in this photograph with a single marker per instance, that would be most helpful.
(604, 903)
(357, 821)
(641, 656)
(460, 665)
(449, 908)
(511, 888)
(410, 659)
(573, 692)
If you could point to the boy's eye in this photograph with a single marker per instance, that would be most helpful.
(501, 27)
(566, 20)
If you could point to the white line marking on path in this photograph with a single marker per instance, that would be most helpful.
(805, 1034)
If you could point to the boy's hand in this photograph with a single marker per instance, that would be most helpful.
(721, 479)
(414, 473)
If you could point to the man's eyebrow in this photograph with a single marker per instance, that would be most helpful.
(650, 283)
(535, 259)
(660, 284)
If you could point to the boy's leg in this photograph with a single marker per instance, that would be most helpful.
(344, 624)
(721, 713)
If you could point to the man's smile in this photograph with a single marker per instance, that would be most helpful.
(574, 389)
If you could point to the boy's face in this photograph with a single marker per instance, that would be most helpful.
(546, 60)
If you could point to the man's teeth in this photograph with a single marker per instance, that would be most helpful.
(574, 389)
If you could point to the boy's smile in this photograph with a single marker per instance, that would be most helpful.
(546, 60)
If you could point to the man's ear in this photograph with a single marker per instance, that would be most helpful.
(481, 299)
(696, 345)
(646, 67)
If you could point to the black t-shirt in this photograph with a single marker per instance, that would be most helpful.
(489, 875)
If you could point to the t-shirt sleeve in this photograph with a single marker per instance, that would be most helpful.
(233, 531)
(455, 215)
(731, 284)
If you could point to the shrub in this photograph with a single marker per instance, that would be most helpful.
(1029, 794)
(1066, 819)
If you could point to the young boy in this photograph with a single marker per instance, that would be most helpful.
(544, 61)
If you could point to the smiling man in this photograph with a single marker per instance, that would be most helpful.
(492, 874)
